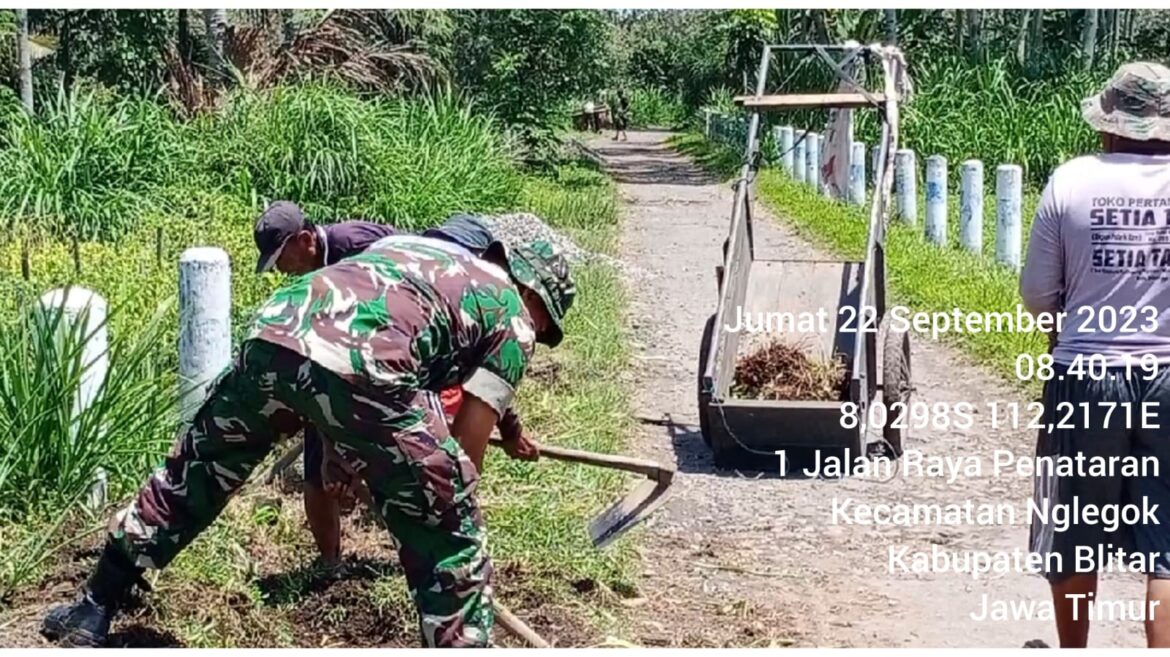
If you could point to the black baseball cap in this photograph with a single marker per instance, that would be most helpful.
(273, 229)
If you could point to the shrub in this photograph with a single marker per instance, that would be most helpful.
(656, 108)
(48, 454)
(408, 161)
(309, 145)
(87, 165)
(435, 157)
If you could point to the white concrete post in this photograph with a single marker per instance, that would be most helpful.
(707, 123)
(906, 185)
(812, 155)
(785, 141)
(64, 308)
(857, 174)
(205, 336)
(1009, 179)
(799, 152)
(971, 206)
(936, 200)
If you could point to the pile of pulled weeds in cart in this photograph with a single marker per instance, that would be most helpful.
(783, 371)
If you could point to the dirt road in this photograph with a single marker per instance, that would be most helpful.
(738, 560)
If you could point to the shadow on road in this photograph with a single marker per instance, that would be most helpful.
(692, 456)
(649, 164)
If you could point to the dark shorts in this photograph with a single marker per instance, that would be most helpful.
(1142, 445)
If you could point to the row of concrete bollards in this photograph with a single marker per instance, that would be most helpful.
(204, 335)
(798, 152)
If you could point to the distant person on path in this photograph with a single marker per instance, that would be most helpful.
(621, 116)
(1097, 249)
(590, 116)
(291, 244)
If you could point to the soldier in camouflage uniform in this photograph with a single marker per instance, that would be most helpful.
(359, 349)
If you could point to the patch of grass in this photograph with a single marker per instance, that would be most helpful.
(50, 453)
(99, 167)
(578, 198)
(716, 158)
(539, 510)
(88, 165)
(920, 276)
(656, 108)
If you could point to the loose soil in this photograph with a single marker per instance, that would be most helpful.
(754, 560)
(299, 605)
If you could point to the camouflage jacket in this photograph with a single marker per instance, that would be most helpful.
(408, 313)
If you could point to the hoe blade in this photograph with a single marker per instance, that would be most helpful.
(627, 512)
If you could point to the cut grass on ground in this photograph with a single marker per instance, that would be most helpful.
(922, 277)
(248, 580)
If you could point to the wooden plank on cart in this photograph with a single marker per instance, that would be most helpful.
(799, 101)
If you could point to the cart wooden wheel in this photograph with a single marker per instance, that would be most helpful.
(896, 387)
(704, 399)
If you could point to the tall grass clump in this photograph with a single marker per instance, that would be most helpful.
(992, 112)
(656, 108)
(307, 144)
(434, 157)
(87, 165)
(340, 156)
(49, 452)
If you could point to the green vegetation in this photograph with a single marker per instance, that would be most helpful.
(988, 112)
(157, 130)
(525, 65)
(656, 108)
(99, 167)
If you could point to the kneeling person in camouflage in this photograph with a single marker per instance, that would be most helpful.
(360, 350)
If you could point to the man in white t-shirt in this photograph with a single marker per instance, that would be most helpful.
(1100, 252)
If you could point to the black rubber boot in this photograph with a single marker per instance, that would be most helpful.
(86, 622)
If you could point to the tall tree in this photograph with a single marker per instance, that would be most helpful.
(890, 18)
(24, 58)
(1022, 36)
(1114, 34)
(186, 46)
(975, 33)
(1035, 55)
(960, 29)
(747, 31)
(526, 64)
(119, 48)
(1089, 38)
(215, 20)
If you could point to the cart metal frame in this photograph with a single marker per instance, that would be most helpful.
(751, 433)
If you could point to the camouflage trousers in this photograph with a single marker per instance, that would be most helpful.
(422, 483)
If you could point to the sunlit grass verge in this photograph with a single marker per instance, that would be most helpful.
(921, 276)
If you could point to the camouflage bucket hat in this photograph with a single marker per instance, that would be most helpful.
(540, 267)
(1135, 103)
